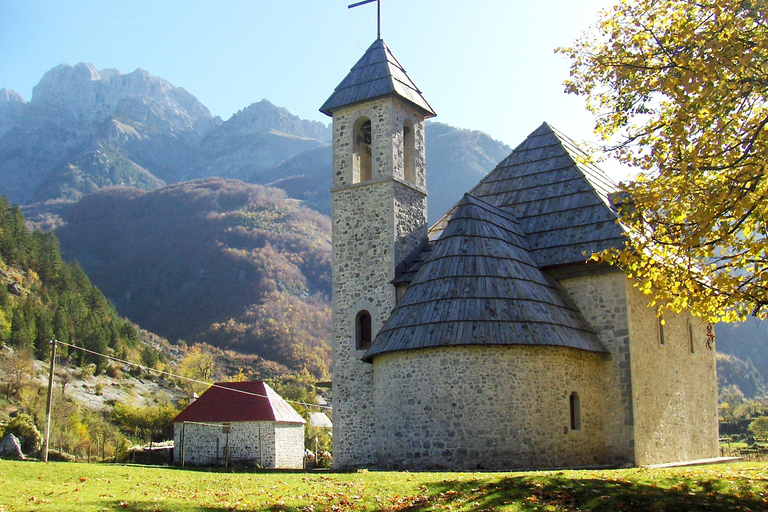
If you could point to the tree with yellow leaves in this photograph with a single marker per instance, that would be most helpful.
(678, 88)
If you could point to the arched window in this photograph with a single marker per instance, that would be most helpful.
(409, 152)
(575, 406)
(362, 152)
(363, 335)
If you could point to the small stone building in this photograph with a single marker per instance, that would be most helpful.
(489, 341)
(239, 423)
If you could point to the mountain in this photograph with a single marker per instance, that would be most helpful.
(75, 112)
(255, 140)
(732, 371)
(11, 104)
(234, 265)
(86, 129)
(456, 160)
(747, 340)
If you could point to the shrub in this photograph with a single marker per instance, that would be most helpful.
(759, 427)
(23, 427)
(112, 372)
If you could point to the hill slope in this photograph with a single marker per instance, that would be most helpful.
(42, 298)
(234, 265)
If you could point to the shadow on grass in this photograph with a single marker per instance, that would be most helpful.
(534, 493)
(565, 493)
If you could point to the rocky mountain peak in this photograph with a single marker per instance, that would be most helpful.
(264, 117)
(11, 104)
(8, 96)
(89, 97)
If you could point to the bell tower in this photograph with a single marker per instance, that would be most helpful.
(379, 215)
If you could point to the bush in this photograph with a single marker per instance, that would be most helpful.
(23, 427)
(759, 427)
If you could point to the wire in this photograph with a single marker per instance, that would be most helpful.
(354, 31)
(160, 372)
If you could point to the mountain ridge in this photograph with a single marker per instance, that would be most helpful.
(54, 145)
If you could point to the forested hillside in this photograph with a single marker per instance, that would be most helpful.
(234, 265)
(42, 298)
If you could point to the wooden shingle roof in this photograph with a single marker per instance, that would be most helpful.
(239, 401)
(559, 199)
(480, 284)
(376, 74)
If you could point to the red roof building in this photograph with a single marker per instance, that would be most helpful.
(239, 423)
(239, 401)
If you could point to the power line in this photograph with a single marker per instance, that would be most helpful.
(160, 372)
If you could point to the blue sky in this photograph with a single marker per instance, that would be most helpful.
(487, 64)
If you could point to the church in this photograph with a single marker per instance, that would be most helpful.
(489, 341)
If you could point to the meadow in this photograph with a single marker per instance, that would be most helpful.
(37, 486)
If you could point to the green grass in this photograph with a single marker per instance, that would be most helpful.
(54, 486)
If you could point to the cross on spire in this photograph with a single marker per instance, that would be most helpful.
(378, 13)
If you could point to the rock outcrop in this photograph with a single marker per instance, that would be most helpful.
(10, 446)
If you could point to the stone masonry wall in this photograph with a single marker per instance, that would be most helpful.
(488, 407)
(675, 391)
(250, 443)
(603, 303)
(289, 446)
(375, 223)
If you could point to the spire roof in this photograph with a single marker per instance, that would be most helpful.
(376, 74)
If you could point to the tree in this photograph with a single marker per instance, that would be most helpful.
(759, 427)
(678, 88)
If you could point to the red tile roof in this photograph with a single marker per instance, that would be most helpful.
(239, 401)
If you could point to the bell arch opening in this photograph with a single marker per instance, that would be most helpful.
(362, 160)
(409, 152)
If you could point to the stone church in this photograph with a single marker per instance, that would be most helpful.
(488, 341)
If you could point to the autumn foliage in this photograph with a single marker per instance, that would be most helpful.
(238, 266)
(678, 88)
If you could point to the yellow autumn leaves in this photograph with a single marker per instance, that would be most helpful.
(678, 88)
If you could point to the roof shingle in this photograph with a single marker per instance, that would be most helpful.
(239, 401)
(480, 284)
(376, 74)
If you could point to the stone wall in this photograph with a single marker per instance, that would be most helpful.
(675, 390)
(488, 407)
(250, 443)
(289, 446)
(601, 297)
(376, 224)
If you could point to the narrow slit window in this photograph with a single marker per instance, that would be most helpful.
(660, 323)
(575, 410)
(363, 330)
(691, 344)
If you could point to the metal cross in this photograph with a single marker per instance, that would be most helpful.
(378, 12)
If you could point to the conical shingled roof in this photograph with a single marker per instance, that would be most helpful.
(480, 285)
(560, 201)
(239, 401)
(376, 74)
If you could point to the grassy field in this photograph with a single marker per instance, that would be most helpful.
(32, 486)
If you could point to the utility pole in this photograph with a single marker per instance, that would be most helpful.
(50, 398)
